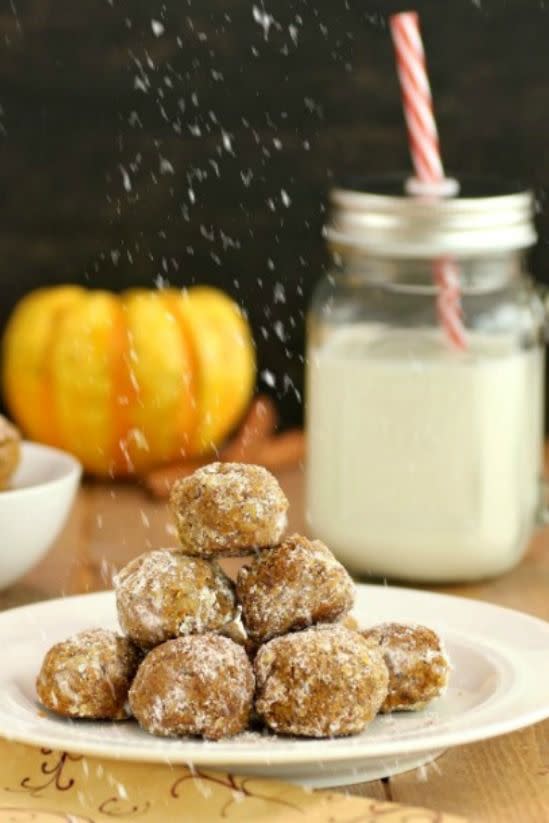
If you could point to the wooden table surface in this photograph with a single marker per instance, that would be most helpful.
(505, 780)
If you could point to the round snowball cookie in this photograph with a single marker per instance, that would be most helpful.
(417, 663)
(163, 594)
(10, 451)
(326, 681)
(292, 586)
(199, 685)
(228, 509)
(89, 675)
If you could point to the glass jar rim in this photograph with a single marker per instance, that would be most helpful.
(378, 215)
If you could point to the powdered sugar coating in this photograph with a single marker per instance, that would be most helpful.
(417, 662)
(10, 450)
(326, 681)
(236, 631)
(163, 594)
(198, 685)
(228, 509)
(89, 675)
(292, 586)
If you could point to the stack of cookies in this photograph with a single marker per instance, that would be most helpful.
(207, 657)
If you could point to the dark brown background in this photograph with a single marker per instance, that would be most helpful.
(89, 93)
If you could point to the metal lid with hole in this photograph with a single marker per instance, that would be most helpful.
(378, 216)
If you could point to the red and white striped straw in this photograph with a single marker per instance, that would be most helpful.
(426, 157)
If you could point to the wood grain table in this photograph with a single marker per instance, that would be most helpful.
(505, 780)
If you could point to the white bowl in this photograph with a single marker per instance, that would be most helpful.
(34, 508)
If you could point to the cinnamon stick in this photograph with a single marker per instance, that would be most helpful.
(259, 424)
(281, 451)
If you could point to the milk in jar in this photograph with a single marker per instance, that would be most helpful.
(420, 457)
(424, 460)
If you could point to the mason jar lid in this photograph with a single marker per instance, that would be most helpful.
(379, 216)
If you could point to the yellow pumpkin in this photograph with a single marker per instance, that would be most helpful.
(127, 382)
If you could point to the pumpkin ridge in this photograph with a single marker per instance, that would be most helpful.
(172, 301)
(24, 390)
(51, 432)
(124, 392)
(224, 348)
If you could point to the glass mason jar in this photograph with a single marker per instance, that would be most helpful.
(424, 461)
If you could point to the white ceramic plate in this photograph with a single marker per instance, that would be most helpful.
(498, 684)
